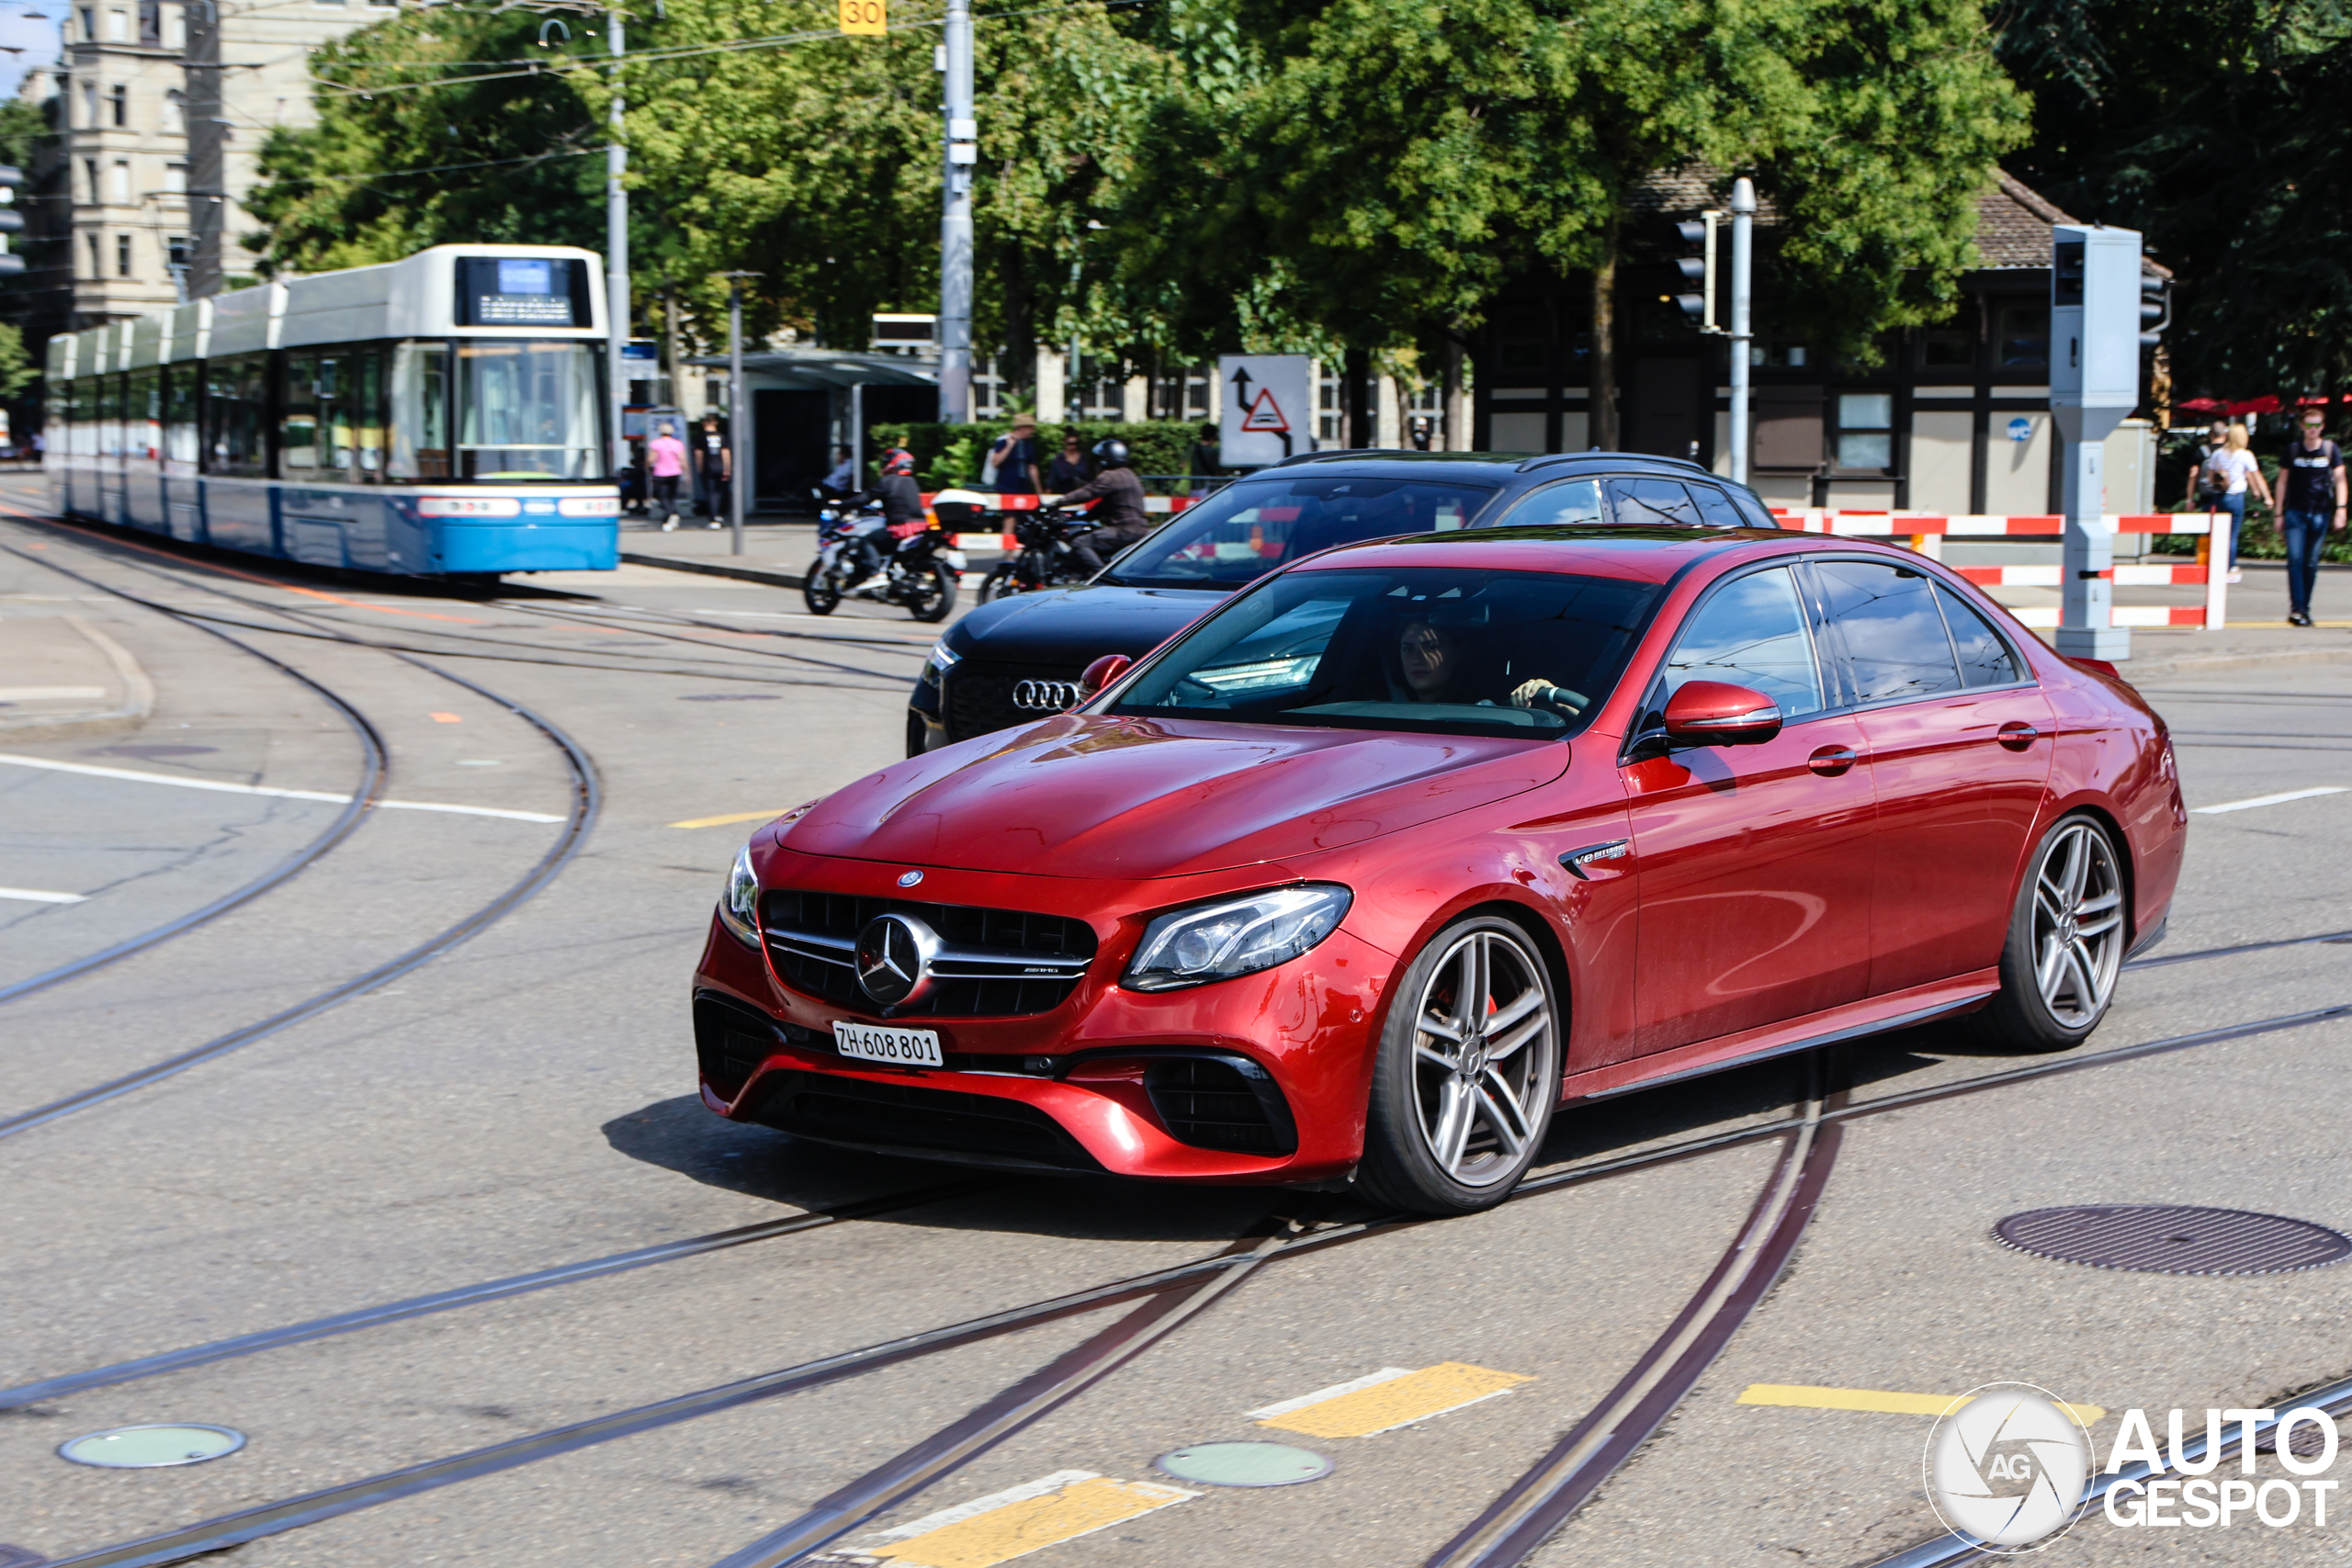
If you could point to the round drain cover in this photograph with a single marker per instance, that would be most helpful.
(2168, 1238)
(1244, 1464)
(152, 1448)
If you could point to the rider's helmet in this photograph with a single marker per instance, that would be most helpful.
(898, 460)
(1112, 453)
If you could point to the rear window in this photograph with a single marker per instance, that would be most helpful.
(1249, 529)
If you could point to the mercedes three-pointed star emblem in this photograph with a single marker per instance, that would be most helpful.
(894, 954)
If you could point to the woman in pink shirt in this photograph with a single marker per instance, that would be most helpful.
(666, 461)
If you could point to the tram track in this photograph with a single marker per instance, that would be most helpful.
(586, 798)
(1545, 1497)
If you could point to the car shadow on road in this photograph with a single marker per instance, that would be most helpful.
(683, 1136)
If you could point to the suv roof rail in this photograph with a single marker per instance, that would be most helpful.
(1550, 458)
(1337, 452)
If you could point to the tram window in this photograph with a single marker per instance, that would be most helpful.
(182, 443)
(109, 416)
(143, 435)
(235, 400)
(368, 414)
(528, 411)
(419, 398)
(298, 438)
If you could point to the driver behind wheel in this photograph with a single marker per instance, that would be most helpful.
(1434, 661)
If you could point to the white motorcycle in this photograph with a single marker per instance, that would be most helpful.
(920, 565)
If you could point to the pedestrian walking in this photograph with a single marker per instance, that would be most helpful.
(2311, 502)
(714, 470)
(665, 460)
(841, 478)
(1012, 461)
(1069, 470)
(1205, 458)
(1423, 431)
(2230, 475)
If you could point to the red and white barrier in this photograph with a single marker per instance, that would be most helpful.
(1927, 532)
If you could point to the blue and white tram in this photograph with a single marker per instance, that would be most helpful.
(440, 414)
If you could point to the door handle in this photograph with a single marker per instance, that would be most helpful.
(1831, 760)
(2017, 735)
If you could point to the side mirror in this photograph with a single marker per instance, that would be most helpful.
(1716, 713)
(1100, 673)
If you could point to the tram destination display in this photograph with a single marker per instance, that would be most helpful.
(522, 291)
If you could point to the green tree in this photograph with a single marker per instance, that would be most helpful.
(21, 124)
(1382, 168)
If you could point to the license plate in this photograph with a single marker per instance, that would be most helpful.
(902, 1047)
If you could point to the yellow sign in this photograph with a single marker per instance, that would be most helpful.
(871, 17)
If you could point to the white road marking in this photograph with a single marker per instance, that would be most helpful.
(224, 787)
(30, 897)
(48, 693)
(2267, 800)
(1353, 1385)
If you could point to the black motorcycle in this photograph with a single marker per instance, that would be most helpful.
(920, 565)
(1044, 560)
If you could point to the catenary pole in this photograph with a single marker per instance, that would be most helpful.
(1743, 224)
(739, 421)
(617, 245)
(955, 225)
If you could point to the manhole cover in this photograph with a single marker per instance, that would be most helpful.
(1244, 1464)
(2168, 1238)
(152, 1448)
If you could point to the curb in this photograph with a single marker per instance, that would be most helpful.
(2216, 663)
(711, 569)
(138, 698)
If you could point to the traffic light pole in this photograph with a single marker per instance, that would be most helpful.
(2095, 321)
(955, 225)
(1743, 224)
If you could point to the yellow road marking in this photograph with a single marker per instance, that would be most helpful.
(1005, 1525)
(1387, 1399)
(447, 718)
(1804, 1396)
(733, 816)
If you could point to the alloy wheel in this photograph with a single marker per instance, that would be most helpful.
(2077, 924)
(1481, 1048)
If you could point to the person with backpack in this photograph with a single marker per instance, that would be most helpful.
(2227, 476)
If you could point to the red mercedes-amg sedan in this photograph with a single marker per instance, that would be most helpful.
(1406, 845)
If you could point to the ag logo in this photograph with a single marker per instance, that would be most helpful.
(2007, 1467)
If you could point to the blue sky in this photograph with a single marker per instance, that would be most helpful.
(34, 32)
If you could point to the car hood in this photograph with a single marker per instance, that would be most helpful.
(1077, 625)
(1087, 796)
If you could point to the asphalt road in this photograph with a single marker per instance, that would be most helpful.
(526, 1101)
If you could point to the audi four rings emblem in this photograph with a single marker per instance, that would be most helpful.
(894, 956)
(908, 879)
(1045, 696)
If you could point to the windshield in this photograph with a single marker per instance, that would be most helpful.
(528, 411)
(1458, 651)
(1248, 529)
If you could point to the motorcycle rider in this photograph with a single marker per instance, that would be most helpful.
(901, 502)
(1119, 521)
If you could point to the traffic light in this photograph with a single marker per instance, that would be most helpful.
(2155, 309)
(1698, 266)
(11, 220)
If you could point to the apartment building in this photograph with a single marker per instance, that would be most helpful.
(113, 214)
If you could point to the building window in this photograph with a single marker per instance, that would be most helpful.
(176, 27)
(90, 24)
(175, 251)
(122, 255)
(95, 270)
(1865, 431)
(1947, 348)
(2023, 343)
(120, 182)
(176, 179)
(90, 105)
(151, 23)
(117, 26)
(121, 104)
(90, 167)
(175, 112)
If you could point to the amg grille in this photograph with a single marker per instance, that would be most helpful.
(896, 1118)
(1221, 1102)
(978, 701)
(813, 937)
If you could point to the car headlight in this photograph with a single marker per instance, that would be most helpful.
(942, 658)
(738, 907)
(1235, 936)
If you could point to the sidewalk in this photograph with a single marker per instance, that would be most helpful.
(64, 678)
(773, 553)
(2257, 632)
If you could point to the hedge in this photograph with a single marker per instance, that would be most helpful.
(955, 453)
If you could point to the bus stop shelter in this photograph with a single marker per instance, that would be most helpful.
(803, 402)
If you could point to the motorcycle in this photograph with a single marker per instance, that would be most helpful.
(920, 565)
(1044, 559)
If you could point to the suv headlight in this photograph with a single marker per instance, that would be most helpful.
(739, 906)
(1235, 936)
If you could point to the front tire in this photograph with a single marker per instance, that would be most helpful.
(1468, 1072)
(934, 593)
(1002, 579)
(2066, 944)
(821, 591)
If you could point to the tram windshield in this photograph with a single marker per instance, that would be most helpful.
(528, 411)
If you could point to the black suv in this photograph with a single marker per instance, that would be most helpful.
(974, 681)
